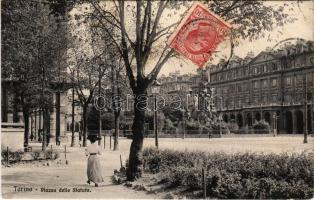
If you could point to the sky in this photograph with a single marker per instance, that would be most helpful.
(303, 27)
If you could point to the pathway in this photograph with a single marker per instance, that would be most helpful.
(67, 176)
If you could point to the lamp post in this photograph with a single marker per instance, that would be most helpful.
(275, 124)
(220, 121)
(155, 90)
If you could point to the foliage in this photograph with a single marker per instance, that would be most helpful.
(168, 127)
(107, 120)
(261, 127)
(16, 156)
(216, 126)
(241, 175)
(33, 50)
(93, 63)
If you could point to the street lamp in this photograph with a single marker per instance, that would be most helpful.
(275, 124)
(220, 121)
(155, 90)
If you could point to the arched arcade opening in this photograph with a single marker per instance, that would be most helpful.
(240, 120)
(299, 121)
(289, 122)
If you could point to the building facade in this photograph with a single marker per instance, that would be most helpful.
(275, 86)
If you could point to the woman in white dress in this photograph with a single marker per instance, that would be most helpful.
(93, 164)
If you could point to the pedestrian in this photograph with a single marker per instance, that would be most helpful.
(93, 164)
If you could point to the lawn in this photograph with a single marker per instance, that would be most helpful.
(279, 144)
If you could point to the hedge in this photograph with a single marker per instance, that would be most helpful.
(241, 175)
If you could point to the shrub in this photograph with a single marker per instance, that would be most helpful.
(241, 175)
(261, 127)
(16, 156)
(183, 176)
(51, 154)
(217, 126)
(233, 126)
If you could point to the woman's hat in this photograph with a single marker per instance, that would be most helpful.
(93, 137)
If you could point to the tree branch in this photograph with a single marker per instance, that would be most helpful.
(125, 50)
(162, 60)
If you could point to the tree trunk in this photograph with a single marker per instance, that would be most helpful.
(40, 128)
(73, 119)
(48, 128)
(135, 158)
(32, 126)
(45, 130)
(26, 129)
(84, 124)
(116, 130)
(58, 118)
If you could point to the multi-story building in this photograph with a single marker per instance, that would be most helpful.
(175, 87)
(272, 86)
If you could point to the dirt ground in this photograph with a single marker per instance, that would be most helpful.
(73, 175)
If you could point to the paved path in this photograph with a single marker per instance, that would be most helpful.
(67, 176)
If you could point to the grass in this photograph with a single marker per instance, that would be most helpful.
(239, 175)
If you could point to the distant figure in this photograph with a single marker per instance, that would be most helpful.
(93, 165)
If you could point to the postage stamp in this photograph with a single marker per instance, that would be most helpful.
(199, 34)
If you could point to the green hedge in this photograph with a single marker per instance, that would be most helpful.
(242, 175)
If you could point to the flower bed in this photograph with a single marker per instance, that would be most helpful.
(242, 175)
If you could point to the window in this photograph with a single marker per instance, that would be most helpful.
(264, 84)
(274, 66)
(255, 84)
(239, 88)
(299, 79)
(225, 90)
(274, 98)
(255, 100)
(247, 100)
(288, 98)
(246, 86)
(264, 68)
(274, 82)
(264, 99)
(230, 75)
(212, 78)
(245, 71)
(288, 81)
(240, 103)
(231, 88)
(255, 70)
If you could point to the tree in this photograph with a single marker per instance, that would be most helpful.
(88, 62)
(31, 56)
(139, 40)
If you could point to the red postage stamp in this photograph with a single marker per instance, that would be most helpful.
(199, 34)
